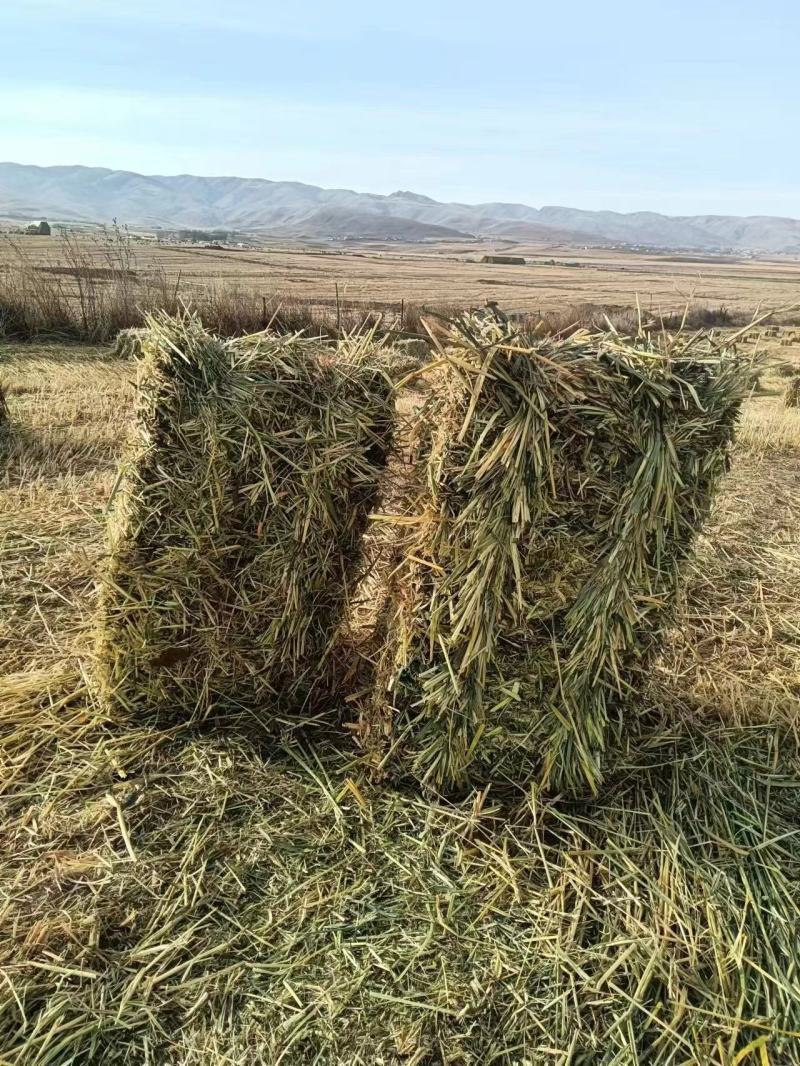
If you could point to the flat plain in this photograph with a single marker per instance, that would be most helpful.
(382, 274)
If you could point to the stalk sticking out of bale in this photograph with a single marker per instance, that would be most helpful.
(237, 525)
(562, 489)
(5, 419)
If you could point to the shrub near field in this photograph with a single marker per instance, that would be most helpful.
(175, 897)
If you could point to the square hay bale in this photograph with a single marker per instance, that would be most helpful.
(560, 489)
(236, 528)
(128, 343)
(791, 397)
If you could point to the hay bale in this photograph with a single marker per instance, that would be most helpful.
(562, 487)
(792, 395)
(237, 526)
(129, 343)
(506, 260)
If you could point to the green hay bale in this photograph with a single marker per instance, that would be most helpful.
(561, 489)
(236, 529)
(792, 395)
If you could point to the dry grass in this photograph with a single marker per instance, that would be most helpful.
(90, 289)
(71, 411)
(736, 652)
(774, 430)
(179, 899)
(5, 422)
(86, 424)
(81, 301)
(381, 275)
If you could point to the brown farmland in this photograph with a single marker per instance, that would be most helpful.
(381, 275)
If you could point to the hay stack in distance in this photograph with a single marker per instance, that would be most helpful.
(129, 342)
(561, 490)
(236, 528)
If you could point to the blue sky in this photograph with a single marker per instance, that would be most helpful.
(676, 106)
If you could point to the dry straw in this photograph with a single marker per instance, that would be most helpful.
(171, 896)
(6, 427)
(561, 488)
(129, 343)
(792, 395)
(5, 431)
(187, 902)
(236, 528)
(5, 414)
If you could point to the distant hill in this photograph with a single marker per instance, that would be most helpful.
(291, 209)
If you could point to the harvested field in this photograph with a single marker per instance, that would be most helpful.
(244, 285)
(177, 897)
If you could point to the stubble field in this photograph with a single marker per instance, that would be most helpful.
(381, 275)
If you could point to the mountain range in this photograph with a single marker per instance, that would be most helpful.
(294, 210)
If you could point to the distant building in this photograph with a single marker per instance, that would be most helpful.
(507, 260)
(39, 229)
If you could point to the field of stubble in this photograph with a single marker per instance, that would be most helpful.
(381, 275)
